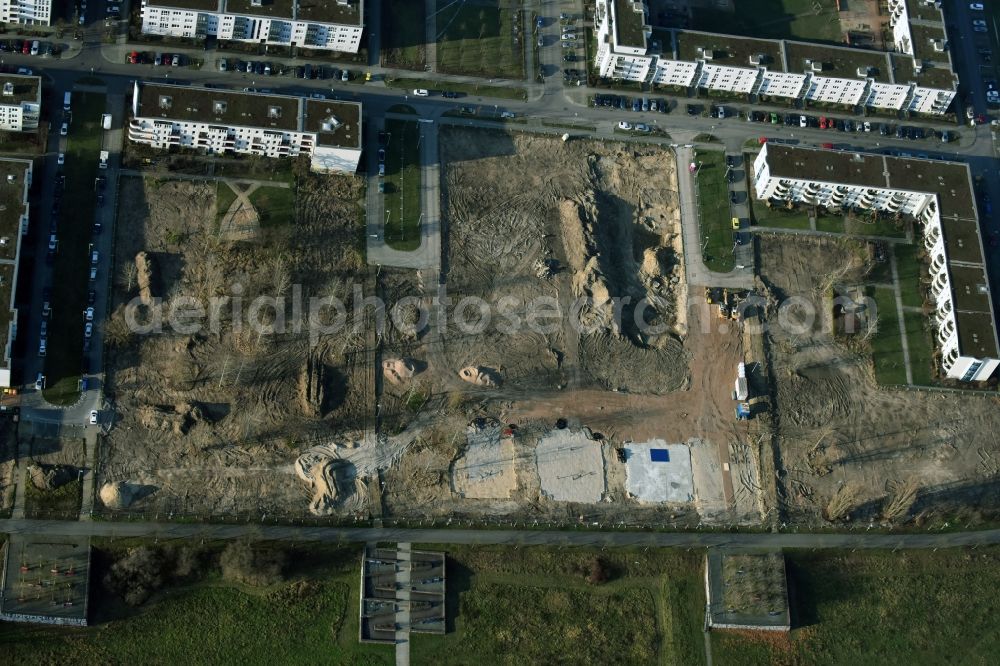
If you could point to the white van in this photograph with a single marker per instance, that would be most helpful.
(66, 100)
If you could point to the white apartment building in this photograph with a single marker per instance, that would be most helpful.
(940, 197)
(15, 180)
(20, 102)
(629, 50)
(223, 121)
(331, 25)
(26, 12)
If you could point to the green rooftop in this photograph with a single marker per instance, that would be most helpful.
(630, 24)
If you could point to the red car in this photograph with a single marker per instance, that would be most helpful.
(133, 57)
(26, 49)
(822, 122)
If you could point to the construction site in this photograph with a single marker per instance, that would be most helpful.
(850, 449)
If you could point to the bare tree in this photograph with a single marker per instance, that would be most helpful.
(127, 276)
(842, 502)
(902, 495)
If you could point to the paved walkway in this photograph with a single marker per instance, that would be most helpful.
(403, 583)
(904, 343)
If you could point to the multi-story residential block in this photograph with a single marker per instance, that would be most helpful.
(26, 12)
(223, 121)
(15, 180)
(937, 195)
(332, 25)
(917, 78)
(20, 103)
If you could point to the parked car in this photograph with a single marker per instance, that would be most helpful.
(223, 65)
(61, 159)
(421, 92)
(34, 47)
(803, 121)
(88, 329)
(641, 127)
(64, 129)
(39, 381)
(568, 36)
(976, 6)
(93, 417)
(623, 125)
(157, 60)
(88, 314)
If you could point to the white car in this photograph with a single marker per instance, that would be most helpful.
(61, 159)
(39, 382)
(979, 22)
(318, 96)
(568, 37)
(868, 126)
(93, 417)
(803, 121)
(64, 130)
(421, 92)
(623, 125)
(976, 6)
(34, 47)
(89, 314)
(88, 330)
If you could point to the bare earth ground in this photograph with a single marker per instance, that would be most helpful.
(530, 218)
(839, 430)
(213, 420)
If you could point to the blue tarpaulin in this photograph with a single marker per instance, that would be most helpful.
(659, 455)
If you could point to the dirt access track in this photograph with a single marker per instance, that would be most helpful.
(535, 223)
(868, 453)
(212, 421)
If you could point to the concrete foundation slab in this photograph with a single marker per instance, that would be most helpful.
(659, 472)
(570, 466)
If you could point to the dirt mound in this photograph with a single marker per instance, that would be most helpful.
(321, 476)
(178, 419)
(144, 277)
(50, 477)
(589, 281)
(479, 376)
(398, 370)
(619, 365)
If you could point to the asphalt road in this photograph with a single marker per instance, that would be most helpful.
(591, 538)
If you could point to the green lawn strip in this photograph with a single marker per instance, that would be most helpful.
(275, 205)
(478, 40)
(535, 605)
(774, 19)
(713, 211)
(887, 346)
(224, 198)
(831, 223)
(72, 262)
(403, 34)
(920, 346)
(506, 92)
(878, 607)
(909, 269)
(209, 623)
(402, 184)
(62, 503)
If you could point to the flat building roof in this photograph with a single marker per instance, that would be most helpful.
(23, 88)
(225, 107)
(336, 123)
(630, 24)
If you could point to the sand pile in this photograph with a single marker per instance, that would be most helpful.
(179, 419)
(398, 370)
(118, 495)
(320, 472)
(480, 376)
(589, 281)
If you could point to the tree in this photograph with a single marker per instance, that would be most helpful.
(127, 276)
(842, 502)
(600, 572)
(138, 574)
(901, 499)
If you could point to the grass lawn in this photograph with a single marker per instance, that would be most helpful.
(534, 606)
(774, 19)
(887, 346)
(918, 341)
(217, 623)
(478, 40)
(831, 223)
(224, 198)
(506, 92)
(69, 273)
(877, 607)
(909, 269)
(63, 503)
(779, 217)
(275, 205)
(864, 226)
(403, 34)
(402, 184)
(713, 211)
